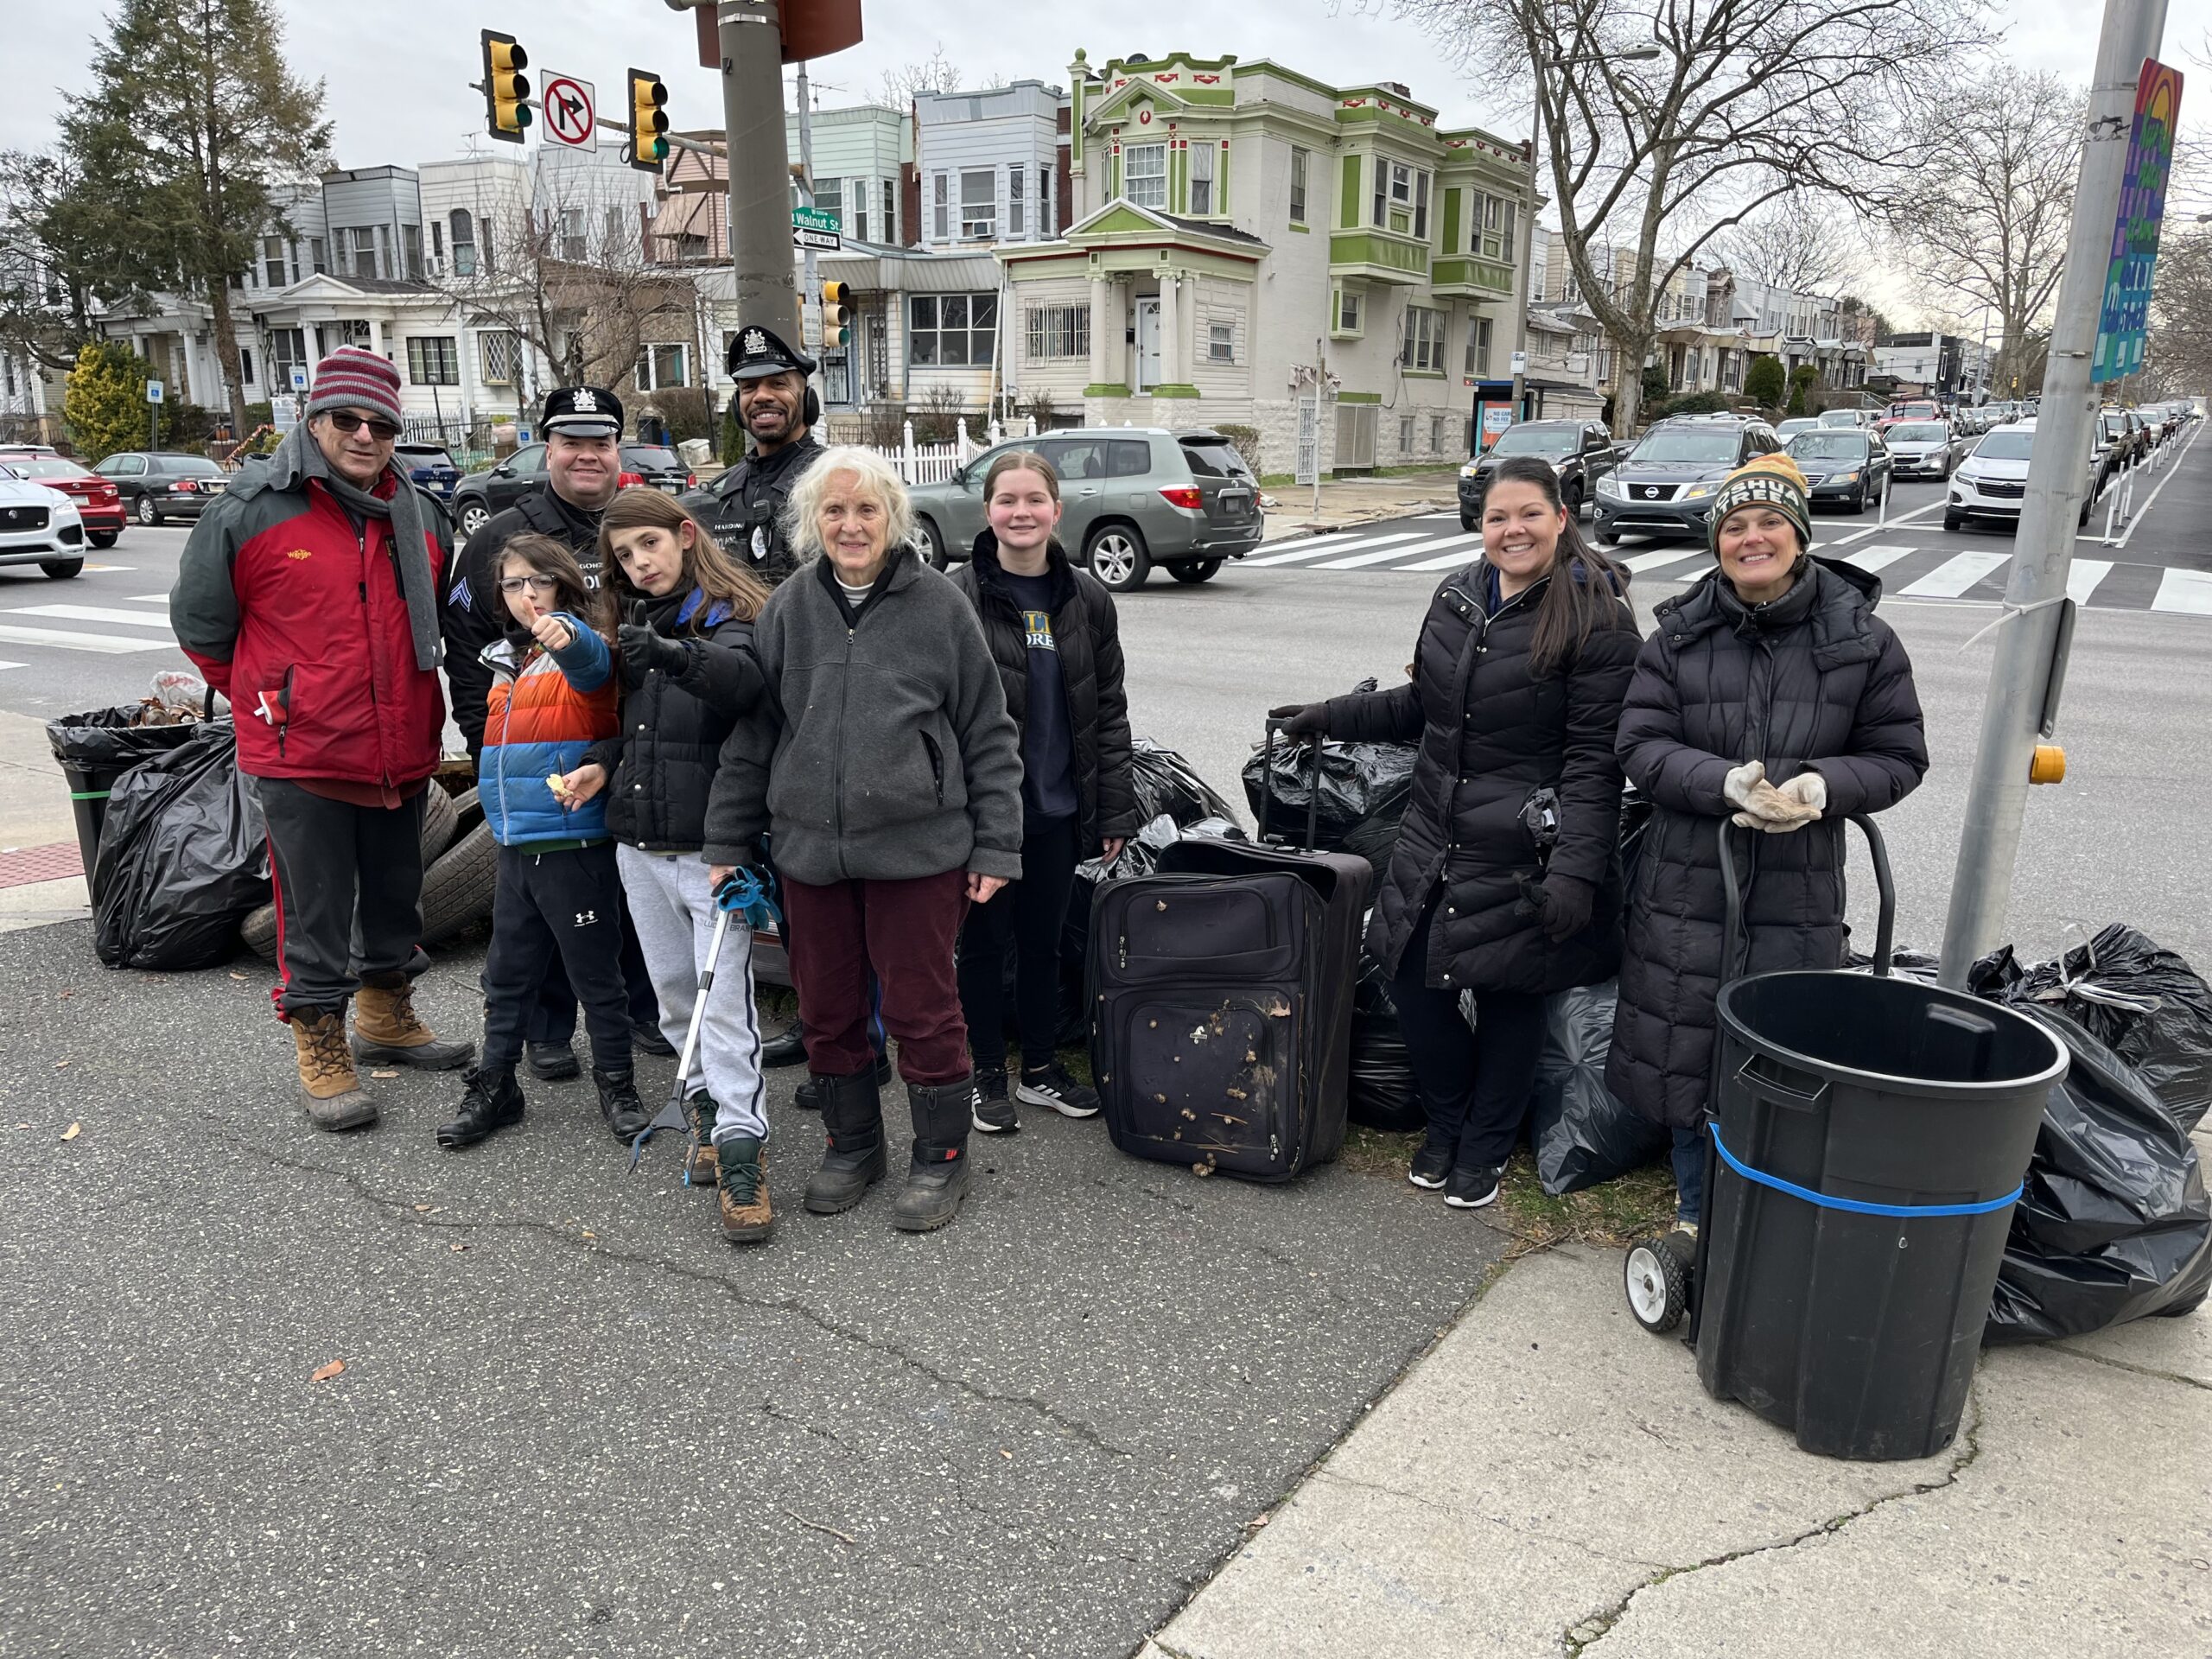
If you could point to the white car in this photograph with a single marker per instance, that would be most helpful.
(40, 526)
(1922, 449)
(1991, 483)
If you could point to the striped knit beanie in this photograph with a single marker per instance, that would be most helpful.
(353, 378)
(1768, 481)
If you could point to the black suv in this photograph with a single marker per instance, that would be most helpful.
(1665, 484)
(479, 495)
(1581, 452)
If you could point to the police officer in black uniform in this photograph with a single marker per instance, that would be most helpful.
(744, 506)
(583, 426)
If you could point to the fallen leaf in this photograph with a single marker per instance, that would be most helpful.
(57, 1064)
(1257, 1523)
(1007, 1455)
(73, 1132)
(237, 976)
(385, 1076)
(589, 1233)
(324, 1373)
(421, 1209)
(458, 1249)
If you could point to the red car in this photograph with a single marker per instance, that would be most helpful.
(95, 496)
(1918, 410)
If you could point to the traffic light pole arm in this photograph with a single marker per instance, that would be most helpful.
(668, 138)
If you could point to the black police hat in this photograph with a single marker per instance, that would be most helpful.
(756, 353)
(583, 412)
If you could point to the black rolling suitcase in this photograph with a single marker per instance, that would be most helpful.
(1221, 994)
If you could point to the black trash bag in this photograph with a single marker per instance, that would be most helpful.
(2139, 1000)
(1584, 1137)
(114, 738)
(1364, 790)
(1164, 783)
(183, 858)
(2113, 1222)
(1382, 1094)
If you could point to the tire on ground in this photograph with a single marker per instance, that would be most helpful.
(468, 812)
(439, 820)
(259, 932)
(457, 889)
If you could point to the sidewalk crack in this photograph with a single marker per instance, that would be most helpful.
(1457, 1513)
(1585, 1635)
(402, 1210)
(2072, 1353)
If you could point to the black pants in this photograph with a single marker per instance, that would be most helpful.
(553, 1010)
(349, 892)
(562, 907)
(1476, 1083)
(1027, 915)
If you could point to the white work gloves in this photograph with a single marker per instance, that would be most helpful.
(1775, 810)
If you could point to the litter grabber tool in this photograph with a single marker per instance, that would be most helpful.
(747, 895)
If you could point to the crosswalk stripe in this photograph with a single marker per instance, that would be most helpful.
(1446, 560)
(1316, 548)
(1361, 558)
(1954, 576)
(108, 644)
(2082, 577)
(147, 599)
(9, 665)
(88, 613)
(2186, 592)
(1305, 546)
(1640, 563)
(1870, 559)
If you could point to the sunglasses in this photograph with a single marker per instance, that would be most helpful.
(348, 423)
(536, 584)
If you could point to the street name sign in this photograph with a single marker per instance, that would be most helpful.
(2124, 314)
(816, 228)
(569, 104)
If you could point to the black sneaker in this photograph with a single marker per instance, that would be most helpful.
(645, 1037)
(1052, 1087)
(993, 1112)
(551, 1061)
(1431, 1166)
(1471, 1189)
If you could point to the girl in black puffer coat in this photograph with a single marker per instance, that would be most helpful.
(1052, 631)
(1516, 690)
(1772, 693)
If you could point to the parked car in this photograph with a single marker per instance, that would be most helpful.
(1844, 466)
(1796, 423)
(1581, 452)
(655, 466)
(1663, 486)
(1991, 483)
(429, 466)
(1918, 408)
(1133, 498)
(40, 526)
(1924, 448)
(158, 484)
(97, 503)
(498, 487)
(1858, 417)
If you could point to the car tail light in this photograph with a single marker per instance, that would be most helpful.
(629, 480)
(690, 480)
(185, 485)
(1187, 496)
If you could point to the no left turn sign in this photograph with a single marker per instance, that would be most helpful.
(568, 106)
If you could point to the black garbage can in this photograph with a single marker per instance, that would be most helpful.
(94, 750)
(1871, 1135)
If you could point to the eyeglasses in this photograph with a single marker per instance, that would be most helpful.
(536, 584)
(349, 422)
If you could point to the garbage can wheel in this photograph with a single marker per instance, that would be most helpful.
(1658, 1283)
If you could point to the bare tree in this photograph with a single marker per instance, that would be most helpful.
(2178, 353)
(1747, 102)
(1989, 225)
(1798, 243)
(936, 73)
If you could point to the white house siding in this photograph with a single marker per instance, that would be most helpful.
(1226, 388)
(1009, 127)
(1063, 377)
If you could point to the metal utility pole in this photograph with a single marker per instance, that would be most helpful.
(811, 287)
(760, 170)
(2030, 644)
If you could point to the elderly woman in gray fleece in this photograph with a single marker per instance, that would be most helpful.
(890, 780)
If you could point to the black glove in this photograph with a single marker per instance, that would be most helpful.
(1567, 902)
(642, 651)
(1302, 719)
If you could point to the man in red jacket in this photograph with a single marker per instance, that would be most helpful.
(309, 594)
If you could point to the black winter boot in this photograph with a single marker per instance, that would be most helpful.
(490, 1100)
(937, 1177)
(789, 1049)
(619, 1103)
(852, 1119)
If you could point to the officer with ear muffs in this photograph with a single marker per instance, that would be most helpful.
(744, 505)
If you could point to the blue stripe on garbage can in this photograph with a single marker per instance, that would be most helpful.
(1858, 1206)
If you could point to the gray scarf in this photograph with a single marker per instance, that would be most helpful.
(299, 458)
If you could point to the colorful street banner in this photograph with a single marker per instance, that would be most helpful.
(2126, 308)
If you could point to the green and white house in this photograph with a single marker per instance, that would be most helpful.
(1235, 226)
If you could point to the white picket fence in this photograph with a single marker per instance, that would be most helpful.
(933, 463)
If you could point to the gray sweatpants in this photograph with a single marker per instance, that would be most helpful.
(673, 910)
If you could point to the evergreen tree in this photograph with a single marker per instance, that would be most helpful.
(104, 402)
(1764, 382)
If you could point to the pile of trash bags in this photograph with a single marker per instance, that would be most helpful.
(1361, 793)
(1382, 1094)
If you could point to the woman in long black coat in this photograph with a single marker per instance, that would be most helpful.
(1771, 693)
(1505, 880)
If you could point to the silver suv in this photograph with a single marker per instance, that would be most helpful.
(1133, 497)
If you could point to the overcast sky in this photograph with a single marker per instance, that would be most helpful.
(398, 86)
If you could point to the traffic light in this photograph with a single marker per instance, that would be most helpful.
(648, 120)
(836, 326)
(506, 89)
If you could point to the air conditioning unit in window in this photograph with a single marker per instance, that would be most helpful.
(437, 265)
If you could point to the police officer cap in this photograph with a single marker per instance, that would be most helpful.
(757, 352)
(583, 412)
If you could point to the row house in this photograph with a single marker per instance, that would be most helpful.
(1240, 233)
(991, 166)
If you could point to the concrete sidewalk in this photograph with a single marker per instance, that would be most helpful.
(35, 814)
(1348, 501)
(1551, 1480)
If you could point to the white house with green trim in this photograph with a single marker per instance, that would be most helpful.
(1238, 227)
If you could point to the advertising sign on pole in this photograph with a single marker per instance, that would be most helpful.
(2124, 314)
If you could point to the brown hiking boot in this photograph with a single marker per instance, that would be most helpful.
(386, 1032)
(699, 1164)
(328, 1085)
(741, 1180)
